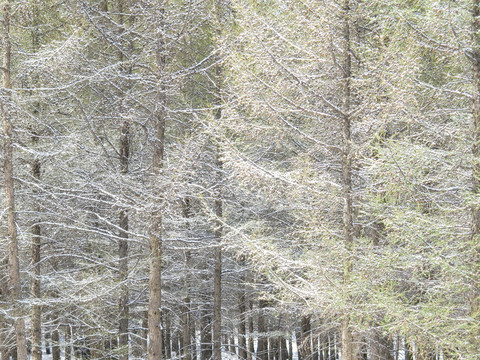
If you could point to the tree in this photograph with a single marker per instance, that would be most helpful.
(6, 109)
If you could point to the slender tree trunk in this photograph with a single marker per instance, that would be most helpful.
(242, 328)
(298, 338)
(262, 346)
(124, 152)
(47, 337)
(251, 347)
(475, 297)
(283, 349)
(186, 342)
(381, 348)
(123, 342)
(155, 233)
(305, 341)
(348, 228)
(68, 340)
(5, 109)
(36, 317)
(35, 286)
(168, 338)
(217, 277)
(290, 348)
(186, 318)
(55, 342)
(270, 345)
(144, 333)
(206, 337)
(232, 345)
(321, 347)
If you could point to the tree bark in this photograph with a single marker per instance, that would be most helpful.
(186, 318)
(168, 337)
(14, 268)
(348, 228)
(242, 329)
(262, 345)
(55, 342)
(217, 277)
(35, 289)
(68, 345)
(381, 348)
(155, 233)
(251, 347)
(283, 349)
(475, 297)
(35, 285)
(305, 341)
(123, 343)
(206, 336)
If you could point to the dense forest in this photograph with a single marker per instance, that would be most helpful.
(251, 179)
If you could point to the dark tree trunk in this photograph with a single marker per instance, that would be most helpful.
(187, 348)
(251, 347)
(167, 336)
(6, 113)
(55, 342)
(381, 347)
(348, 348)
(68, 345)
(206, 337)
(262, 347)
(242, 328)
(232, 345)
(305, 348)
(36, 318)
(290, 348)
(283, 349)
(217, 277)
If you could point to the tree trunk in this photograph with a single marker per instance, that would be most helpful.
(251, 347)
(290, 348)
(206, 337)
(48, 342)
(155, 233)
(242, 329)
(348, 229)
(381, 348)
(5, 109)
(186, 342)
(262, 346)
(36, 317)
(217, 277)
(283, 349)
(298, 341)
(475, 297)
(305, 341)
(167, 337)
(144, 333)
(55, 342)
(124, 152)
(68, 345)
(347, 341)
(232, 345)
(123, 342)
(186, 318)
(270, 346)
